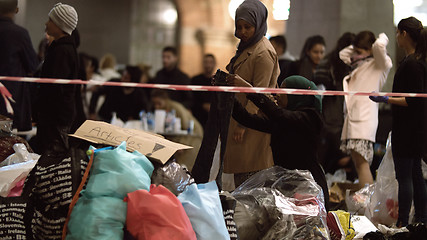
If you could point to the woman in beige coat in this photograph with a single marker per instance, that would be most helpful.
(256, 61)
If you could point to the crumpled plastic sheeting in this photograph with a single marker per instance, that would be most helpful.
(173, 176)
(280, 204)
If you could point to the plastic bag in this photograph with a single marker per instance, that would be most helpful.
(383, 205)
(358, 201)
(203, 206)
(173, 176)
(11, 175)
(21, 155)
(157, 214)
(102, 218)
(281, 204)
(8, 139)
(114, 174)
(339, 176)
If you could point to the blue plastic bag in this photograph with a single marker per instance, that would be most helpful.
(203, 206)
(100, 212)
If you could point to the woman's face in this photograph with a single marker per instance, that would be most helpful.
(282, 99)
(244, 30)
(316, 53)
(400, 37)
(362, 52)
(126, 77)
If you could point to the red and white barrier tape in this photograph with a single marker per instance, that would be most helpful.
(7, 96)
(213, 88)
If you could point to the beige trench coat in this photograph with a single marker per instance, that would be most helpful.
(259, 66)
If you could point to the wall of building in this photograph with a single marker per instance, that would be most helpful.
(123, 29)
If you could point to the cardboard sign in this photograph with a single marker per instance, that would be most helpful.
(151, 145)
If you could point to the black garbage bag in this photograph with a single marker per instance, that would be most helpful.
(375, 236)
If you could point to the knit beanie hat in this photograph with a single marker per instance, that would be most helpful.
(65, 17)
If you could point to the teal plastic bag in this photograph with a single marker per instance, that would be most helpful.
(203, 206)
(100, 212)
(97, 218)
(116, 173)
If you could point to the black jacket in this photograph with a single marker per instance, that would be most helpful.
(176, 77)
(409, 128)
(127, 106)
(295, 135)
(200, 98)
(56, 103)
(18, 59)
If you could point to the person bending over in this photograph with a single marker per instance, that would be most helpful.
(294, 123)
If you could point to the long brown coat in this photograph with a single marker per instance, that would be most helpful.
(259, 66)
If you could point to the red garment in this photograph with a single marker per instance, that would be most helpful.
(157, 215)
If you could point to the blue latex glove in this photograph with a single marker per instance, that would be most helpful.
(379, 99)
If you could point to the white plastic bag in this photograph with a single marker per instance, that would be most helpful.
(20, 165)
(383, 206)
(339, 176)
(21, 155)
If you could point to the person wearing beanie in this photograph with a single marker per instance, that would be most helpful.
(56, 104)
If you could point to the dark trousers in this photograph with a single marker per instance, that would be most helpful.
(216, 126)
(411, 187)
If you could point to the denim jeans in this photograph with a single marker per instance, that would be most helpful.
(411, 187)
(216, 126)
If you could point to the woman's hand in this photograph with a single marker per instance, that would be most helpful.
(237, 81)
(238, 134)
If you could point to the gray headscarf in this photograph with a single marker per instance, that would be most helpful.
(255, 13)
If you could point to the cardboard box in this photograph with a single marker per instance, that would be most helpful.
(151, 145)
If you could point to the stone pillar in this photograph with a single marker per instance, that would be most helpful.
(331, 18)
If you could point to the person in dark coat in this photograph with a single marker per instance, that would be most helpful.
(312, 53)
(171, 74)
(330, 73)
(124, 101)
(56, 103)
(202, 100)
(17, 59)
(294, 124)
(280, 45)
(409, 127)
